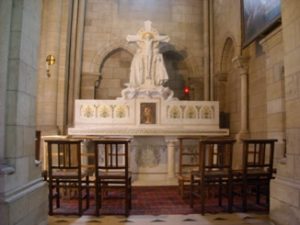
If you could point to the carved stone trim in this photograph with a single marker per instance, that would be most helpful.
(240, 63)
(6, 170)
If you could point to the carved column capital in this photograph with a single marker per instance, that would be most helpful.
(240, 63)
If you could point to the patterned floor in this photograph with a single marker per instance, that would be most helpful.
(190, 219)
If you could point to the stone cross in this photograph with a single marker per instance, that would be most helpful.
(147, 67)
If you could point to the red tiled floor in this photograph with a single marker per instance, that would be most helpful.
(150, 201)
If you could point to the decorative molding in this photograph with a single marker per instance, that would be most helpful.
(17, 193)
(6, 170)
(241, 64)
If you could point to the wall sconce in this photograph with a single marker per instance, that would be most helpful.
(50, 60)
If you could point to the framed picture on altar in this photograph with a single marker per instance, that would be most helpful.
(147, 113)
(259, 18)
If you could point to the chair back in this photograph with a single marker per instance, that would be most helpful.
(111, 156)
(216, 157)
(64, 157)
(188, 155)
(258, 156)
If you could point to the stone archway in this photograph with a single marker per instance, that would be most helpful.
(114, 74)
(226, 85)
(182, 69)
(223, 77)
(92, 79)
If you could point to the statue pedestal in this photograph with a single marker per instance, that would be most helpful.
(160, 92)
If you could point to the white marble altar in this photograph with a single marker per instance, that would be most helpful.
(148, 112)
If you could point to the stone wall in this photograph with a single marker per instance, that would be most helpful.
(23, 194)
(285, 191)
(107, 23)
(51, 100)
(274, 91)
(257, 90)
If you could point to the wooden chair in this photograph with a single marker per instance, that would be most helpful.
(188, 162)
(258, 156)
(215, 171)
(65, 172)
(111, 170)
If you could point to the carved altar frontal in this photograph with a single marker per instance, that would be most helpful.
(146, 117)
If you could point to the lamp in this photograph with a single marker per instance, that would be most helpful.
(50, 60)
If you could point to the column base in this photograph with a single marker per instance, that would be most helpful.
(28, 205)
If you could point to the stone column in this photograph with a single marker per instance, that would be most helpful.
(220, 94)
(211, 49)
(23, 193)
(75, 60)
(241, 67)
(171, 144)
(206, 42)
(285, 189)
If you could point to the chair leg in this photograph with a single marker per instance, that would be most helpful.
(244, 196)
(97, 197)
(80, 198)
(126, 201)
(258, 194)
(50, 197)
(57, 194)
(220, 197)
(192, 192)
(87, 192)
(130, 195)
(230, 196)
(268, 195)
(202, 198)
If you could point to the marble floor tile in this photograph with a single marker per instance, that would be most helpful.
(191, 219)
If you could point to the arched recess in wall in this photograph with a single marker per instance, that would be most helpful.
(114, 74)
(111, 66)
(92, 79)
(225, 83)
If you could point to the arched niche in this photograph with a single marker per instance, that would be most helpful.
(114, 74)
(222, 78)
(227, 85)
(110, 70)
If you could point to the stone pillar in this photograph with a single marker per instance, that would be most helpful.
(241, 67)
(75, 60)
(206, 42)
(171, 144)
(220, 80)
(285, 189)
(211, 49)
(23, 194)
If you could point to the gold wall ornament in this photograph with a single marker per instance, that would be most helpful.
(50, 60)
